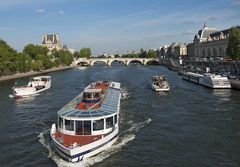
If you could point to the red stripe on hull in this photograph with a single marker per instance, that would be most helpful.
(69, 140)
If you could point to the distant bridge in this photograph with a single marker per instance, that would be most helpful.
(109, 61)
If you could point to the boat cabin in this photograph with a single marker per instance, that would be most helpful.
(91, 99)
(89, 129)
(92, 95)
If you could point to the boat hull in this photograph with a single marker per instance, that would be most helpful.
(79, 153)
(208, 80)
(158, 89)
(26, 93)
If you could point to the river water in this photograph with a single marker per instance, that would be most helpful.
(188, 126)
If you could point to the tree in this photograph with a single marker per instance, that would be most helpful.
(63, 57)
(7, 59)
(23, 62)
(116, 56)
(143, 53)
(85, 52)
(37, 65)
(77, 54)
(151, 54)
(34, 50)
(233, 48)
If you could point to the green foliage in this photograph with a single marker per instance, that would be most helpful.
(233, 49)
(151, 54)
(33, 57)
(63, 57)
(34, 50)
(85, 52)
(7, 59)
(37, 65)
(143, 53)
(24, 62)
(77, 54)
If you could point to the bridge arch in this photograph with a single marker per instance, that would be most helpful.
(135, 61)
(155, 62)
(82, 63)
(117, 60)
(99, 61)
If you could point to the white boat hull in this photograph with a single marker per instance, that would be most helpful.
(158, 89)
(79, 153)
(208, 80)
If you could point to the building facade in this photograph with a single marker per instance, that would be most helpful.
(175, 50)
(209, 43)
(51, 41)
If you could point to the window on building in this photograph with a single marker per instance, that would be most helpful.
(109, 122)
(98, 124)
(69, 125)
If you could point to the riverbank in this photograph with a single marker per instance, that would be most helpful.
(19, 75)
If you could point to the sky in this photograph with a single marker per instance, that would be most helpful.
(110, 26)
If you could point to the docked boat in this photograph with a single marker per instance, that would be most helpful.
(89, 123)
(159, 83)
(208, 79)
(35, 85)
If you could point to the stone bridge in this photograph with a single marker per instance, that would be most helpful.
(109, 61)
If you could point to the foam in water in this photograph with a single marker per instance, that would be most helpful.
(125, 94)
(124, 138)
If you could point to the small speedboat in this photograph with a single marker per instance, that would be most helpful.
(160, 84)
(89, 123)
(34, 86)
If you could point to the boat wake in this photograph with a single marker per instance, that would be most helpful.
(125, 94)
(124, 138)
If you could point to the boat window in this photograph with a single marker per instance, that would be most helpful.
(60, 122)
(87, 128)
(115, 118)
(89, 95)
(109, 122)
(44, 79)
(79, 128)
(69, 125)
(96, 95)
(84, 95)
(83, 128)
(98, 124)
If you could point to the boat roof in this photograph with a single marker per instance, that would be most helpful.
(92, 90)
(41, 77)
(108, 107)
(194, 74)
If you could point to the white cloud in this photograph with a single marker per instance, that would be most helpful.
(61, 12)
(40, 10)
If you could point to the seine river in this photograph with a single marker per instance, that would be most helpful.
(187, 127)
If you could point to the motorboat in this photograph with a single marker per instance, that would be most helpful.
(35, 85)
(89, 123)
(159, 83)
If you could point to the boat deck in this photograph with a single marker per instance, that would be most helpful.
(108, 105)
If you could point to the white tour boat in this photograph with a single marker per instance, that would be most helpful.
(159, 83)
(35, 86)
(89, 123)
(208, 79)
